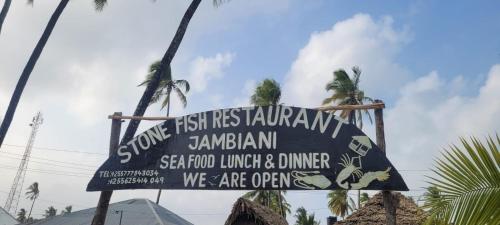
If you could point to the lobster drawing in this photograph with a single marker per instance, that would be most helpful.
(349, 169)
(310, 180)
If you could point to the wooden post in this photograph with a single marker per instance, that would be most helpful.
(389, 201)
(102, 205)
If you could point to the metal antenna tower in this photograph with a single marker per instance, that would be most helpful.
(17, 185)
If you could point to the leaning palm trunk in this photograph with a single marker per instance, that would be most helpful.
(25, 75)
(168, 114)
(165, 62)
(102, 208)
(33, 203)
(3, 13)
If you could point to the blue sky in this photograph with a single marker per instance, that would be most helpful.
(435, 64)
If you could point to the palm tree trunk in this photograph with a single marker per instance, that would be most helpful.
(148, 93)
(281, 204)
(3, 13)
(168, 114)
(165, 62)
(18, 91)
(33, 203)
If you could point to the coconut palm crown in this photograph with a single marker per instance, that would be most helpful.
(340, 203)
(302, 218)
(346, 92)
(268, 92)
(166, 86)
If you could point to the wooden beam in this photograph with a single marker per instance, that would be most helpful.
(141, 117)
(377, 105)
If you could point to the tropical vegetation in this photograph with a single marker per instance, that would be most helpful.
(363, 199)
(32, 194)
(465, 188)
(151, 88)
(166, 86)
(50, 212)
(302, 218)
(268, 92)
(164, 90)
(340, 203)
(21, 216)
(346, 92)
(67, 210)
(274, 200)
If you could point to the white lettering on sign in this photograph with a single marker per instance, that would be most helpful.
(229, 141)
(283, 116)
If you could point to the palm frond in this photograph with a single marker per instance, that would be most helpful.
(168, 91)
(359, 118)
(99, 4)
(469, 181)
(156, 97)
(181, 95)
(218, 3)
(357, 73)
(183, 84)
(268, 92)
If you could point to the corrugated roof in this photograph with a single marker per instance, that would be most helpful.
(135, 211)
(6, 218)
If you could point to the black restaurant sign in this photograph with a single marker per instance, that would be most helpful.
(267, 148)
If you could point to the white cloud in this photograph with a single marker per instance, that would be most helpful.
(360, 41)
(203, 70)
(246, 92)
(89, 91)
(431, 114)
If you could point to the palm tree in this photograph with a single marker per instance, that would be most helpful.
(144, 102)
(164, 89)
(363, 199)
(30, 65)
(50, 212)
(152, 86)
(270, 199)
(340, 203)
(346, 92)
(303, 218)
(166, 86)
(67, 210)
(21, 216)
(32, 194)
(268, 92)
(465, 189)
(434, 199)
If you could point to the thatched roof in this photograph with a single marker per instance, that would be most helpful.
(373, 212)
(244, 208)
